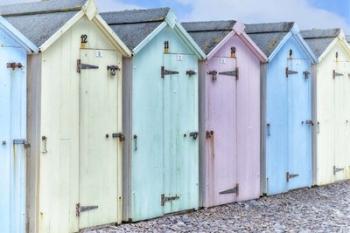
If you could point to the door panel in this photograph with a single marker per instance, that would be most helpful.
(180, 121)
(99, 149)
(221, 145)
(276, 129)
(340, 111)
(12, 139)
(300, 127)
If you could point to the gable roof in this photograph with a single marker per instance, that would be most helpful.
(45, 21)
(38, 21)
(269, 35)
(320, 39)
(137, 27)
(133, 26)
(18, 36)
(210, 33)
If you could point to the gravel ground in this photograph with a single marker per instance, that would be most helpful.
(322, 209)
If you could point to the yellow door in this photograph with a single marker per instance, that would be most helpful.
(100, 138)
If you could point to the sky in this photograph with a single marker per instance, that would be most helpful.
(307, 13)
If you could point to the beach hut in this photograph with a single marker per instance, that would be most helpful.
(13, 142)
(160, 113)
(229, 112)
(332, 104)
(287, 124)
(74, 115)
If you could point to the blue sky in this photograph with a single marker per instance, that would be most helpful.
(307, 13)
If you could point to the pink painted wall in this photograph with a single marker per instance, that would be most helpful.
(232, 111)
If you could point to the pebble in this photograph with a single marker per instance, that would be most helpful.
(323, 209)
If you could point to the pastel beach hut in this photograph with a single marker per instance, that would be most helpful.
(332, 106)
(74, 115)
(160, 113)
(287, 120)
(229, 112)
(14, 50)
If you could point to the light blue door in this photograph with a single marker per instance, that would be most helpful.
(12, 140)
(299, 173)
(180, 94)
(276, 128)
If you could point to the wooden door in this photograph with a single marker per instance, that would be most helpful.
(221, 134)
(100, 139)
(180, 122)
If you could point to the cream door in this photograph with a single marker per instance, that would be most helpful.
(100, 138)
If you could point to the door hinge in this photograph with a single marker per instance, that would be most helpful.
(290, 176)
(119, 135)
(290, 72)
(165, 199)
(165, 72)
(336, 74)
(14, 65)
(234, 73)
(81, 66)
(79, 209)
(191, 72)
(232, 190)
(21, 142)
(336, 170)
(113, 69)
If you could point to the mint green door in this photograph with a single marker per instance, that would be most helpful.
(180, 95)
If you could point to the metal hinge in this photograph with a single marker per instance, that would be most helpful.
(113, 69)
(232, 190)
(79, 209)
(336, 74)
(21, 142)
(290, 176)
(234, 73)
(165, 199)
(14, 65)
(119, 135)
(336, 170)
(290, 72)
(81, 66)
(164, 72)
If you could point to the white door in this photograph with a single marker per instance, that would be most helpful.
(100, 139)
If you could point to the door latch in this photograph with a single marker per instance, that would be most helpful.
(268, 126)
(290, 176)
(213, 74)
(191, 72)
(113, 69)
(209, 134)
(21, 142)
(164, 199)
(306, 74)
(336, 74)
(194, 135)
(308, 122)
(119, 135)
(79, 209)
(14, 65)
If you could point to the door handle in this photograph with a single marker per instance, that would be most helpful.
(308, 122)
(268, 125)
(194, 135)
(44, 144)
(135, 142)
(210, 136)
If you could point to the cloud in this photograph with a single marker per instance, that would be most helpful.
(250, 11)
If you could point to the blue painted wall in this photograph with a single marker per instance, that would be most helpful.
(12, 126)
(288, 105)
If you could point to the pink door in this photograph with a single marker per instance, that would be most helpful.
(221, 130)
